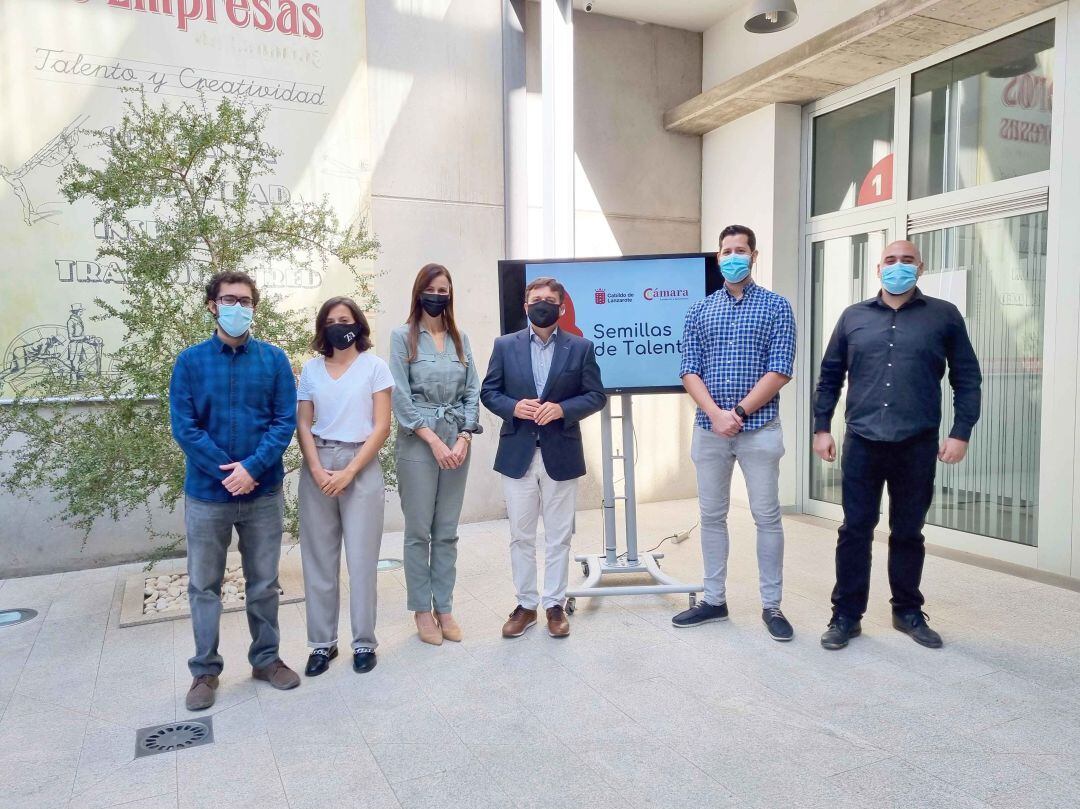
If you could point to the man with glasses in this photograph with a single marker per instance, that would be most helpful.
(893, 349)
(232, 401)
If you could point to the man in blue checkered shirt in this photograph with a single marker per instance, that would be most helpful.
(232, 403)
(738, 351)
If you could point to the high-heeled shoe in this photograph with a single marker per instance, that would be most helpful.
(451, 630)
(434, 635)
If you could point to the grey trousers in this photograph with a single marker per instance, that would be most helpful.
(209, 529)
(354, 517)
(758, 453)
(431, 501)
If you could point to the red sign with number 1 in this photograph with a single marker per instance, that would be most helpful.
(877, 185)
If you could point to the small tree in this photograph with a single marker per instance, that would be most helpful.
(171, 165)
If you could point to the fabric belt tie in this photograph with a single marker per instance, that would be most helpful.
(453, 414)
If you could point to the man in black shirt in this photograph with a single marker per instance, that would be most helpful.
(893, 349)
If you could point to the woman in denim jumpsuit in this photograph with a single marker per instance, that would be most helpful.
(436, 403)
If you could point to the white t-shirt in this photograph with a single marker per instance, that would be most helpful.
(343, 406)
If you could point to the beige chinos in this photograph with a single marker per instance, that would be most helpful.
(436, 390)
(356, 517)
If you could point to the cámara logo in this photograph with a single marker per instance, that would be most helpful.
(651, 294)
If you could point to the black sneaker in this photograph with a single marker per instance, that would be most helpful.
(914, 624)
(363, 660)
(319, 660)
(840, 631)
(701, 613)
(779, 627)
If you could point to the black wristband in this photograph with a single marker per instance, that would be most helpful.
(740, 412)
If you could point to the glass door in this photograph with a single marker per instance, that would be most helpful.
(843, 271)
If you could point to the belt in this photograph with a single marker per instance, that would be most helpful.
(330, 442)
(452, 413)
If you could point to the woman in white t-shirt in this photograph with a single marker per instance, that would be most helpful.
(343, 419)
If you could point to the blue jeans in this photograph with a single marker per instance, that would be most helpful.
(259, 524)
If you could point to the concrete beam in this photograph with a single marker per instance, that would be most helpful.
(889, 35)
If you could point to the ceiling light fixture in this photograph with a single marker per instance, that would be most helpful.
(767, 16)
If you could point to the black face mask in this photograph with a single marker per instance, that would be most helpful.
(342, 335)
(434, 305)
(543, 313)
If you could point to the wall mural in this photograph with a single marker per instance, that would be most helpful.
(67, 64)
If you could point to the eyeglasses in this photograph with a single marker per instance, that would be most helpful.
(232, 300)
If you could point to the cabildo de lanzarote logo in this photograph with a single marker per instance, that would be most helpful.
(654, 294)
(603, 296)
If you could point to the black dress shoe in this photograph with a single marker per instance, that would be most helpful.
(914, 624)
(841, 629)
(319, 661)
(363, 660)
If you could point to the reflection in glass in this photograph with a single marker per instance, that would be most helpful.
(853, 155)
(840, 269)
(995, 272)
(984, 116)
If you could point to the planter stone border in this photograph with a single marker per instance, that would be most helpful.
(290, 579)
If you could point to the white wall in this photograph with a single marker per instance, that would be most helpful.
(750, 176)
(435, 96)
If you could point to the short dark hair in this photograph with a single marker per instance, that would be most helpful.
(213, 286)
(550, 283)
(320, 345)
(736, 230)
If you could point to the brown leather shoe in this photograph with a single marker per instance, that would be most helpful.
(558, 623)
(278, 675)
(520, 620)
(201, 694)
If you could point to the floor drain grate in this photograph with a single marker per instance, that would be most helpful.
(173, 736)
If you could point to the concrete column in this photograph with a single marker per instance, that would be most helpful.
(515, 131)
(557, 78)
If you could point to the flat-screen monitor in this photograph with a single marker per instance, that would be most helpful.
(631, 307)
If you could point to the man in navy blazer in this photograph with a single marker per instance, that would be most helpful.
(541, 381)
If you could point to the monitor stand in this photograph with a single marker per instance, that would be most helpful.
(610, 563)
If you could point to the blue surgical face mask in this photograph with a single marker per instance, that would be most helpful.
(898, 278)
(735, 267)
(234, 320)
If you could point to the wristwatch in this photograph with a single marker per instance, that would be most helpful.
(466, 435)
(740, 412)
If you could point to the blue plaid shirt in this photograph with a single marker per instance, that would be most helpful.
(232, 405)
(731, 344)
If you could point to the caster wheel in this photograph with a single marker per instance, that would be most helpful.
(585, 569)
(571, 606)
(693, 600)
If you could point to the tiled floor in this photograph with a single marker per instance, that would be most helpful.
(627, 712)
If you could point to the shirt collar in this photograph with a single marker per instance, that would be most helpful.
(748, 290)
(534, 336)
(917, 298)
(225, 348)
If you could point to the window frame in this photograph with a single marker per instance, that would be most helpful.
(950, 209)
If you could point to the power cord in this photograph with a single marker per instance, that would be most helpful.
(682, 536)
